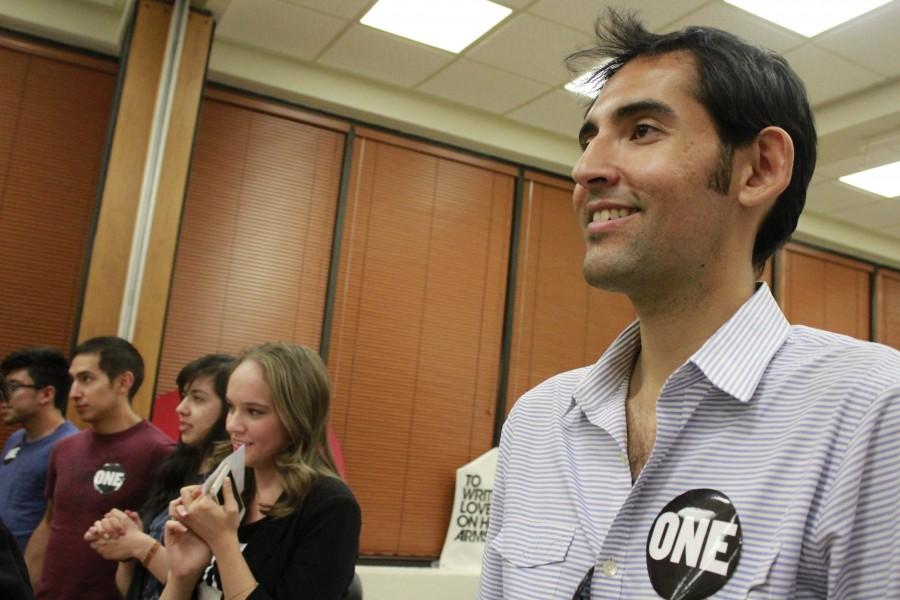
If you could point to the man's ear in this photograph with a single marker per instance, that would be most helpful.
(47, 395)
(123, 383)
(769, 165)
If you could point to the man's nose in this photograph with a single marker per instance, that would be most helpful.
(596, 167)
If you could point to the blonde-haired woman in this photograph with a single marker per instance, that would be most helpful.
(299, 537)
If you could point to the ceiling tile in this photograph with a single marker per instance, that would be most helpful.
(860, 160)
(278, 27)
(559, 111)
(383, 56)
(116, 4)
(581, 14)
(882, 213)
(828, 76)
(744, 25)
(833, 196)
(346, 9)
(891, 231)
(514, 4)
(481, 86)
(870, 39)
(531, 47)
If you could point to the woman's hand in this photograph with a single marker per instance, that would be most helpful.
(117, 536)
(214, 523)
(105, 528)
(188, 554)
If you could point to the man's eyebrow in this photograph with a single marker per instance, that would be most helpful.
(587, 129)
(652, 107)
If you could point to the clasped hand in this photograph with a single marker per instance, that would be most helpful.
(198, 526)
(117, 535)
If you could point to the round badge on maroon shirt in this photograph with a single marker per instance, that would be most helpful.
(694, 545)
(109, 478)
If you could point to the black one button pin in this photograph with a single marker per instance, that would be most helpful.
(694, 545)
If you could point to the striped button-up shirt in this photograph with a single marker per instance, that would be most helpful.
(799, 428)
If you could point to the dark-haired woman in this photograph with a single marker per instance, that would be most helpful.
(299, 537)
(136, 540)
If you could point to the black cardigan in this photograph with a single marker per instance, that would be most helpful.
(308, 554)
(14, 583)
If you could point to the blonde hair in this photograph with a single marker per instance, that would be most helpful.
(299, 388)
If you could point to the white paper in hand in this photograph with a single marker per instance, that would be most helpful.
(232, 465)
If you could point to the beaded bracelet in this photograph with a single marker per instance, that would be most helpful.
(150, 554)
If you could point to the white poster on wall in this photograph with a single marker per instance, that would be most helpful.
(471, 513)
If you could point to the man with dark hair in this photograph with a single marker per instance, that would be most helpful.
(37, 383)
(109, 465)
(713, 449)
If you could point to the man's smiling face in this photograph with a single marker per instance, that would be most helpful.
(647, 183)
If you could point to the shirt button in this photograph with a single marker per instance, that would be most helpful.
(610, 568)
(624, 458)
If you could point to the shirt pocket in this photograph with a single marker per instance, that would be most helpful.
(761, 584)
(533, 555)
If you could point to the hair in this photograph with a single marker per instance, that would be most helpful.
(744, 89)
(4, 393)
(182, 466)
(215, 366)
(300, 391)
(46, 366)
(116, 357)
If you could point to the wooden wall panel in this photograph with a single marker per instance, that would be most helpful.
(111, 247)
(255, 241)
(53, 120)
(163, 236)
(559, 322)
(13, 69)
(887, 287)
(417, 333)
(827, 291)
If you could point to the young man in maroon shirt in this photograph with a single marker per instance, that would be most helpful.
(109, 465)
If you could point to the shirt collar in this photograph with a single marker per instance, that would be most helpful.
(603, 379)
(735, 357)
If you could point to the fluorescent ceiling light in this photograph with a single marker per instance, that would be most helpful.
(883, 180)
(808, 17)
(446, 24)
(583, 86)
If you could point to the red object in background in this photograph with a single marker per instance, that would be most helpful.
(336, 451)
(165, 417)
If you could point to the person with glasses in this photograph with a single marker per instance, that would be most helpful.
(37, 384)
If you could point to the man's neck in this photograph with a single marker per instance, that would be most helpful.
(121, 419)
(676, 327)
(43, 424)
